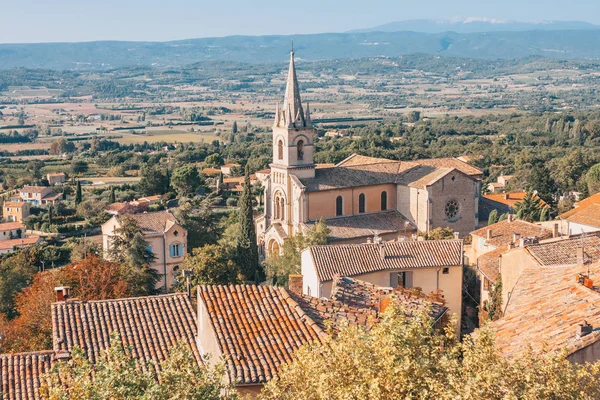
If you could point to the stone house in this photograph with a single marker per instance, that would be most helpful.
(166, 238)
(15, 211)
(57, 178)
(432, 266)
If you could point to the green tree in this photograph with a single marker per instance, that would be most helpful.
(280, 266)
(247, 248)
(234, 128)
(494, 304)
(197, 216)
(50, 214)
(186, 180)
(540, 180)
(154, 181)
(78, 193)
(118, 375)
(211, 265)
(503, 217)
(112, 198)
(79, 167)
(493, 217)
(592, 179)
(530, 208)
(129, 248)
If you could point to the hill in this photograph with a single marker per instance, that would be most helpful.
(573, 44)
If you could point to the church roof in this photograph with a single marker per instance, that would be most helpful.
(357, 170)
(367, 225)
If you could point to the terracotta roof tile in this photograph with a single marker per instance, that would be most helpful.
(510, 199)
(150, 325)
(356, 259)
(21, 375)
(588, 215)
(564, 252)
(14, 204)
(580, 205)
(28, 241)
(155, 222)
(453, 163)
(545, 308)
(34, 189)
(489, 263)
(366, 225)
(9, 226)
(257, 327)
(502, 232)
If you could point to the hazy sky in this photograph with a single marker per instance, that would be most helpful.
(84, 20)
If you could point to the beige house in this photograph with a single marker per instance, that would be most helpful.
(166, 238)
(12, 230)
(39, 195)
(57, 178)
(15, 211)
(584, 218)
(500, 185)
(8, 246)
(490, 243)
(353, 194)
(551, 299)
(432, 266)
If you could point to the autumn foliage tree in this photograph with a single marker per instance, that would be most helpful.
(407, 358)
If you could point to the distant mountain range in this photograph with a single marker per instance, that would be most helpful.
(565, 44)
(473, 25)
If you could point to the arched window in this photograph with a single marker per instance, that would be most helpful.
(279, 206)
(280, 150)
(300, 149)
(282, 208)
(361, 203)
(339, 206)
(383, 200)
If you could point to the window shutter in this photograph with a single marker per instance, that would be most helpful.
(408, 283)
(172, 250)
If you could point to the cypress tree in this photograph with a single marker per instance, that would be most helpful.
(493, 217)
(112, 198)
(78, 194)
(234, 128)
(50, 214)
(247, 249)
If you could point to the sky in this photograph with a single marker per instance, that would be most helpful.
(30, 21)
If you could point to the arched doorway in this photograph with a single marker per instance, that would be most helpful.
(274, 248)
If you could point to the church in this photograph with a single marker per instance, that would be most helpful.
(360, 198)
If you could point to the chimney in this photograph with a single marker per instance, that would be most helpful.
(62, 293)
(384, 300)
(516, 237)
(584, 329)
(511, 217)
(296, 283)
(456, 235)
(506, 196)
(555, 231)
(382, 251)
(489, 234)
(63, 355)
(369, 240)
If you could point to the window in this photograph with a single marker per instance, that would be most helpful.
(279, 206)
(383, 200)
(361, 203)
(404, 279)
(451, 210)
(280, 150)
(176, 233)
(149, 248)
(486, 284)
(300, 150)
(339, 206)
(446, 271)
(176, 250)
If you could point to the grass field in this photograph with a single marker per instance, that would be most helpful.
(167, 135)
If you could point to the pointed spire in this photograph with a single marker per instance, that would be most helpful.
(289, 122)
(307, 119)
(277, 115)
(292, 93)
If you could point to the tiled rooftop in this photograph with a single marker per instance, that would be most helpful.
(580, 205)
(9, 226)
(545, 308)
(510, 199)
(34, 189)
(22, 374)
(502, 232)
(453, 163)
(155, 222)
(366, 225)
(257, 328)
(356, 259)
(150, 325)
(564, 252)
(9, 244)
(489, 263)
(589, 215)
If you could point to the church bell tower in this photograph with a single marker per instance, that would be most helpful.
(293, 132)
